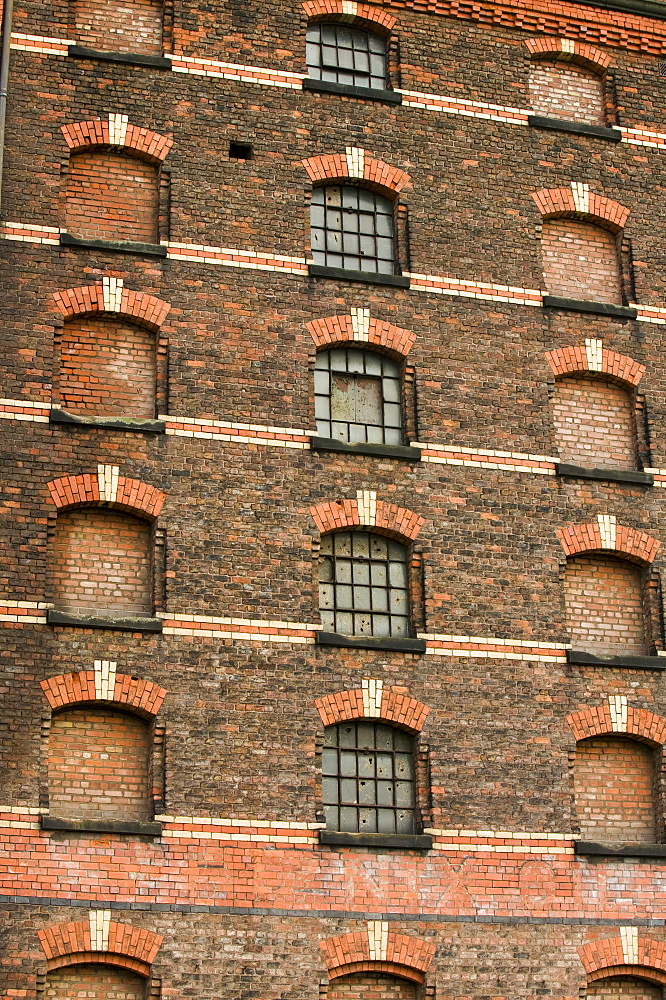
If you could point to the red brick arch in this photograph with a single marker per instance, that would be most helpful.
(128, 946)
(620, 367)
(341, 329)
(637, 546)
(398, 522)
(406, 956)
(335, 167)
(129, 494)
(400, 709)
(144, 310)
(560, 202)
(608, 957)
(140, 142)
(374, 17)
(598, 721)
(141, 696)
(566, 50)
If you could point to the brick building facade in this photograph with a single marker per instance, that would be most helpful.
(334, 441)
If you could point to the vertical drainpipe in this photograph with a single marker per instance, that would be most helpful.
(7, 13)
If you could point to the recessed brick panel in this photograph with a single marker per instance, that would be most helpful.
(101, 562)
(98, 765)
(614, 789)
(594, 423)
(558, 90)
(120, 25)
(371, 986)
(107, 368)
(112, 197)
(624, 988)
(604, 605)
(580, 261)
(94, 982)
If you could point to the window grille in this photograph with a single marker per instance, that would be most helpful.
(352, 228)
(363, 586)
(357, 396)
(351, 56)
(368, 778)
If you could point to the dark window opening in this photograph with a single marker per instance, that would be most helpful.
(240, 151)
(352, 228)
(351, 56)
(358, 396)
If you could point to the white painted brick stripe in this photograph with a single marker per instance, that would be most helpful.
(367, 507)
(617, 705)
(350, 8)
(594, 354)
(629, 936)
(105, 679)
(360, 321)
(567, 45)
(99, 929)
(607, 530)
(378, 940)
(373, 692)
(117, 129)
(581, 196)
(112, 289)
(355, 161)
(107, 481)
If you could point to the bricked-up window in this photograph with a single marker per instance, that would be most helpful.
(560, 90)
(368, 778)
(595, 424)
(614, 781)
(340, 54)
(102, 563)
(107, 368)
(373, 986)
(98, 765)
(352, 228)
(111, 196)
(94, 982)
(580, 261)
(363, 585)
(358, 396)
(120, 25)
(624, 988)
(604, 605)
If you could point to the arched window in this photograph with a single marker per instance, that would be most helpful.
(94, 982)
(368, 778)
(358, 396)
(352, 228)
(566, 91)
(363, 584)
(102, 563)
(614, 780)
(338, 53)
(624, 988)
(120, 25)
(594, 423)
(98, 765)
(604, 605)
(370, 986)
(580, 261)
(111, 196)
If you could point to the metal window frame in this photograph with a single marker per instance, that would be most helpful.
(355, 431)
(335, 219)
(321, 66)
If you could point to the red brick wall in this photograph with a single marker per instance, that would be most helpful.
(570, 92)
(594, 423)
(120, 25)
(370, 986)
(614, 787)
(107, 368)
(580, 261)
(101, 561)
(98, 765)
(624, 988)
(604, 604)
(94, 982)
(112, 197)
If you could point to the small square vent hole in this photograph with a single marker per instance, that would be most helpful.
(240, 151)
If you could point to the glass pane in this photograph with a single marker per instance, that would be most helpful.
(329, 761)
(404, 794)
(329, 790)
(322, 382)
(348, 790)
(361, 540)
(386, 821)
(404, 822)
(366, 793)
(384, 765)
(344, 623)
(348, 820)
(344, 597)
(343, 571)
(373, 363)
(347, 736)
(384, 793)
(367, 821)
(366, 765)
(361, 573)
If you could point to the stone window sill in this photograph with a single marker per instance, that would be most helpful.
(118, 246)
(610, 475)
(585, 847)
(370, 642)
(639, 662)
(365, 277)
(144, 829)
(575, 128)
(363, 448)
(58, 416)
(117, 623)
(345, 90)
(131, 58)
(582, 305)
(404, 841)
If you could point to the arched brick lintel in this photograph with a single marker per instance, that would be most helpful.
(117, 132)
(636, 546)
(617, 956)
(387, 519)
(583, 204)
(144, 310)
(99, 958)
(567, 50)
(399, 709)
(639, 971)
(597, 721)
(350, 11)
(141, 696)
(356, 164)
(391, 968)
(361, 329)
(107, 490)
(401, 954)
(569, 360)
(122, 944)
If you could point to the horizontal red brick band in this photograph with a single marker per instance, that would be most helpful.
(144, 310)
(566, 360)
(142, 696)
(558, 202)
(65, 940)
(397, 708)
(636, 546)
(597, 721)
(583, 54)
(608, 954)
(318, 9)
(398, 522)
(340, 329)
(411, 953)
(132, 495)
(334, 166)
(141, 142)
